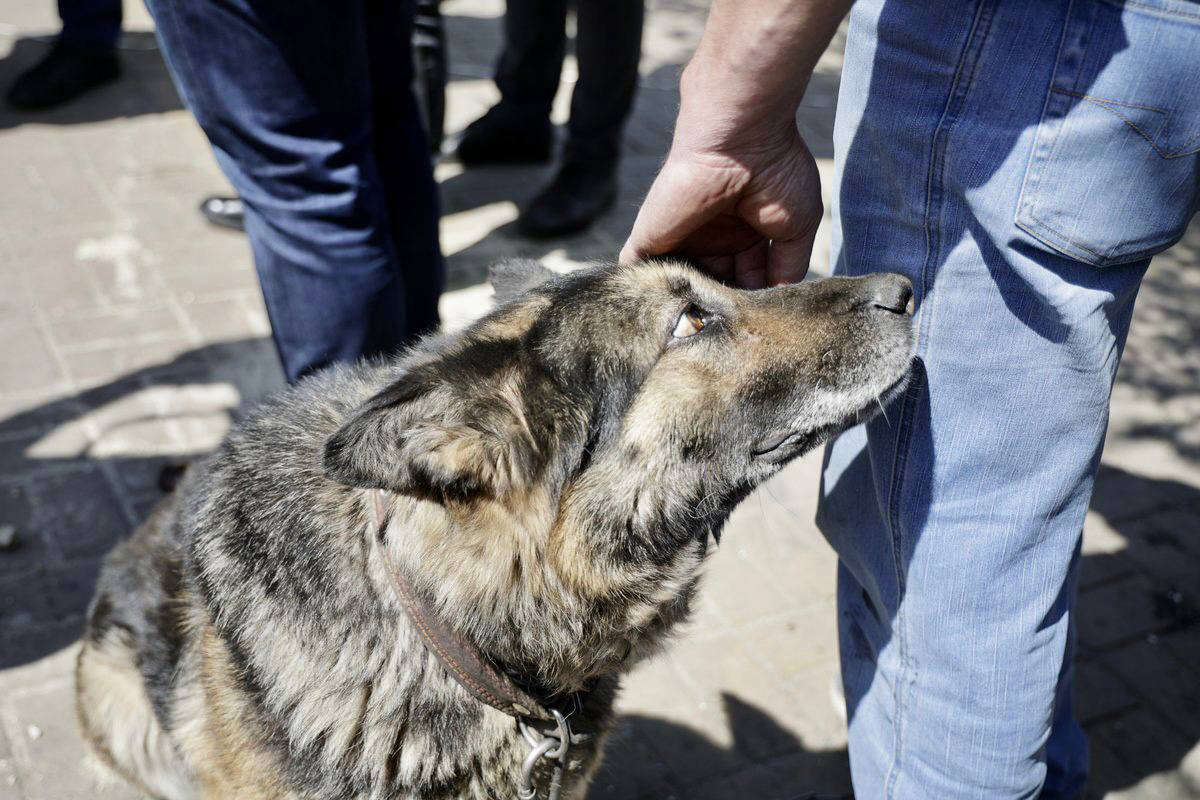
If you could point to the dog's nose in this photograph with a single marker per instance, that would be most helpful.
(891, 292)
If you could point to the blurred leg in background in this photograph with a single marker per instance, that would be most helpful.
(430, 58)
(517, 129)
(84, 56)
(309, 109)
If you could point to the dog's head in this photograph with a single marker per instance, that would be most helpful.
(607, 421)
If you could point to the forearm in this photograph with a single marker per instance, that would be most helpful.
(750, 70)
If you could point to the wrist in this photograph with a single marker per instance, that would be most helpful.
(720, 114)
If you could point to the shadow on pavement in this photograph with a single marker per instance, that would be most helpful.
(648, 757)
(144, 86)
(75, 481)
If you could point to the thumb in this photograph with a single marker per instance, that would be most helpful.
(789, 259)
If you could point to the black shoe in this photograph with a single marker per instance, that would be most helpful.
(582, 191)
(66, 72)
(504, 136)
(224, 212)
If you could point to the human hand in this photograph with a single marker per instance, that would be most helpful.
(745, 206)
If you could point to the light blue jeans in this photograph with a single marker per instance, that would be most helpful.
(1021, 161)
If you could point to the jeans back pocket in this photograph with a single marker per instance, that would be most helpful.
(1114, 175)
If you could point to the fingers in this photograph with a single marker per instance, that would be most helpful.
(719, 267)
(750, 266)
(789, 259)
(683, 198)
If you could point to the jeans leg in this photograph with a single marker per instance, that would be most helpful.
(530, 65)
(958, 514)
(284, 92)
(408, 306)
(91, 23)
(608, 45)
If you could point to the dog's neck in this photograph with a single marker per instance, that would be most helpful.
(514, 602)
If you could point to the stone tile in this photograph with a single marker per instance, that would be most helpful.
(47, 748)
(10, 787)
(1184, 644)
(791, 645)
(739, 590)
(683, 724)
(1170, 686)
(1099, 694)
(115, 325)
(1104, 553)
(25, 600)
(1133, 747)
(34, 413)
(36, 656)
(1120, 612)
(32, 453)
(16, 304)
(631, 768)
(226, 318)
(97, 366)
(27, 362)
(79, 512)
(34, 546)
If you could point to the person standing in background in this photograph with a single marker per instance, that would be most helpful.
(309, 108)
(608, 46)
(83, 57)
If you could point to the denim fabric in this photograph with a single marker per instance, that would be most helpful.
(309, 108)
(1021, 161)
(608, 44)
(91, 23)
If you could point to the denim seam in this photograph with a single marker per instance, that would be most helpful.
(1107, 105)
(964, 75)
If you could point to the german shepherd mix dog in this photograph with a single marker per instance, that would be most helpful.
(329, 605)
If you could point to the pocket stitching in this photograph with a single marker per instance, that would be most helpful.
(1107, 105)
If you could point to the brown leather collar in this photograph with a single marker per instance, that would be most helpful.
(464, 662)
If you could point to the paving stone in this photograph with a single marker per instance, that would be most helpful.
(1170, 686)
(27, 361)
(34, 546)
(118, 325)
(159, 323)
(48, 751)
(791, 644)
(225, 318)
(80, 513)
(1099, 694)
(1121, 612)
(631, 768)
(98, 366)
(1133, 747)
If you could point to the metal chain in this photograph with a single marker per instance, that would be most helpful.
(554, 745)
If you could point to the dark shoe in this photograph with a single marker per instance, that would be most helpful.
(582, 191)
(224, 212)
(504, 136)
(66, 72)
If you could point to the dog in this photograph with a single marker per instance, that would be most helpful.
(535, 493)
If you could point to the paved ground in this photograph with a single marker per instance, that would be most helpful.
(131, 332)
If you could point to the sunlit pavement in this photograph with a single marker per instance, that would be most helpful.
(132, 331)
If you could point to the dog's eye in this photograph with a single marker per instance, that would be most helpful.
(691, 322)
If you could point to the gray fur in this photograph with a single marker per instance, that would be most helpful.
(553, 475)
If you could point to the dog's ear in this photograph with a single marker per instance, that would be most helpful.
(514, 276)
(439, 433)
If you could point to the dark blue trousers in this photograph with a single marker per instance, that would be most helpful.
(309, 107)
(92, 23)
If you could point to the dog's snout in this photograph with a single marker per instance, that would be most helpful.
(891, 292)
